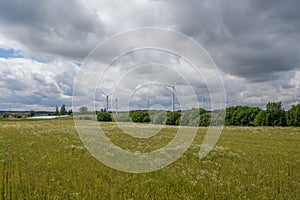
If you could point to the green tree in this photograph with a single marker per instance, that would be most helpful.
(173, 118)
(217, 117)
(260, 119)
(140, 116)
(70, 112)
(230, 116)
(204, 119)
(192, 117)
(159, 117)
(241, 115)
(275, 114)
(7, 114)
(122, 117)
(104, 116)
(31, 113)
(63, 110)
(56, 110)
(253, 112)
(293, 116)
(83, 110)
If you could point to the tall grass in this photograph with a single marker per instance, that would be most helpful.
(46, 160)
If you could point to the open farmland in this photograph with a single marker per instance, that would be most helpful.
(45, 159)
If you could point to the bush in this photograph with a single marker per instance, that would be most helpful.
(159, 117)
(241, 115)
(173, 118)
(204, 119)
(293, 116)
(31, 113)
(139, 116)
(275, 114)
(85, 118)
(260, 119)
(104, 116)
(217, 118)
(192, 117)
(122, 117)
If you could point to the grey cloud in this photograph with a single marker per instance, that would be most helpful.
(61, 28)
(32, 83)
(254, 43)
(251, 39)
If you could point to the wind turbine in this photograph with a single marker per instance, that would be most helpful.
(148, 102)
(106, 95)
(173, 94)
(116, 105)
(203, 98)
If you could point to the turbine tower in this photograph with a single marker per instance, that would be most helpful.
(173, 94)
(148, 102)
(203, 98)
(116, 105)
(106, 95)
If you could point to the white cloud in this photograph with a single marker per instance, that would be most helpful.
(28, 82)
(254, 43)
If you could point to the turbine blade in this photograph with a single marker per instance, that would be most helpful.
(103, 93)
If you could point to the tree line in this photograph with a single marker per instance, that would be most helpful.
(62, 110)
(273, 115)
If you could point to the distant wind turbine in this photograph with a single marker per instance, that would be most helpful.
(148, 102)
(203, 98)
(116, 105)
(173, 94)
(106, 95)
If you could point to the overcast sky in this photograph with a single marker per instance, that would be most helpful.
(255, 45)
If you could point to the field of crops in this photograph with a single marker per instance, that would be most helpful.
(45, 159)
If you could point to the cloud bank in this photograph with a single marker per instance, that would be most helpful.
(254, 44)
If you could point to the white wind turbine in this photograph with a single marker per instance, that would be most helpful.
(173, 94)
(106, 95)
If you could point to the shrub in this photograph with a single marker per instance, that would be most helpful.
(85, 118)
(122, 117)
(139, 116)
(31, 113)
(173, 118)
(192, 117)
(260, 119)
(275, 114)
(293, 116)
(159, 117)
(204, 119)
(104, 116)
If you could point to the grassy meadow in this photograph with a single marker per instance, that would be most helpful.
(45, 159)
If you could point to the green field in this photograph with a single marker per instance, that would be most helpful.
(45, 159)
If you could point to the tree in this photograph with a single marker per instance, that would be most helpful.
(241, 115)
(139, 116)
(31, 113)
(204, 119)
(217, 117)
(275, 114)
(159, 117)
(293, 116)
(83, 110)
(63, 110)
(260, 119)
(7, 114)
(230, 116)
(56, 110)
(122, 117)
(173, 118)
(70, 112)
(192, 117)
(104, 117)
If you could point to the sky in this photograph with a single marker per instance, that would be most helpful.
(45, 45)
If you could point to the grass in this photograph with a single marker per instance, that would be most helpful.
(45, 159)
